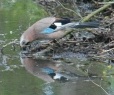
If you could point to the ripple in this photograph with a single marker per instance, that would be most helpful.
(48, 89)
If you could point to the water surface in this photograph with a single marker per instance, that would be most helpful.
(25, 77)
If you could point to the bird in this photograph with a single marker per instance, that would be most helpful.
(50, 28)
(47, 70)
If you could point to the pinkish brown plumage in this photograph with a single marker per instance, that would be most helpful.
(45, 29)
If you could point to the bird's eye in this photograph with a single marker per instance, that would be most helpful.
(25, 43)
(26, 46)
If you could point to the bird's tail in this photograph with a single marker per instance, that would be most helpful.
(86, 25)
(78, 25)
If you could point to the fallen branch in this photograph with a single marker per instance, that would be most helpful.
(95, 12)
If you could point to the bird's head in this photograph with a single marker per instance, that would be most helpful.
(24, 41)
(27, 37)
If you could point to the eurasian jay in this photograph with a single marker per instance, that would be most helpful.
(51, 28)
(48, 70)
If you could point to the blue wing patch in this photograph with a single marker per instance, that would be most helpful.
(47, 31)
(47, 70)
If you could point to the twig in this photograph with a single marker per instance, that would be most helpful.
(12, 42)
(106, 2)
(77, 13)
(96, 83)
(95, 12)
(9, 43)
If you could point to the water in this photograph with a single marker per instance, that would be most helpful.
(24, 76)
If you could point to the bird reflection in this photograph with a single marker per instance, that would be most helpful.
(47, 70)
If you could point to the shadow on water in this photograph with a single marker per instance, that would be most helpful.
(74, 75)
(72, 85)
